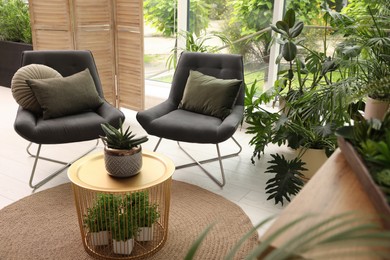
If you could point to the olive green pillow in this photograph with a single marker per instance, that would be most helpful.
(22, 93)
(65, 96)
(208, 95)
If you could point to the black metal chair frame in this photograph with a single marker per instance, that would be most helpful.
(54, 174)
(219, 158)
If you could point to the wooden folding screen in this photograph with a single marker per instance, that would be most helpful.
(111, 29)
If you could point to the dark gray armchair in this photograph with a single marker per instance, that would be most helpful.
(168, 121)
(83, 126)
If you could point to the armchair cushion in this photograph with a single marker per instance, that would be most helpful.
(66, 96)
(22, 93)
(209, 95)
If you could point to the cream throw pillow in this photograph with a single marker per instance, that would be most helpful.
(22, 92)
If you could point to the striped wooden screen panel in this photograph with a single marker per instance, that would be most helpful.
(130, 51)
(93, 23)
(51, 25)
(111, 29)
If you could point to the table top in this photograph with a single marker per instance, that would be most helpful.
(333, 190)
(89, 172)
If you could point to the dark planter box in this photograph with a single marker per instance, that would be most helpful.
(10, 60)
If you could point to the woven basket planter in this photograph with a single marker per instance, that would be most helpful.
(123, 163)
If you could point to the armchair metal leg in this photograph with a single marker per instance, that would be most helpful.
(199, 163)
(52, 175)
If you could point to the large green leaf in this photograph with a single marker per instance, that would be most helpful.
(296, 30)
(289, 18)
(289, 51)
(283, 26)
(287, 180)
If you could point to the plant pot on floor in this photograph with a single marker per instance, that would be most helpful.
(313, 159)
(375, 108)
(123, 163)
(123, 247)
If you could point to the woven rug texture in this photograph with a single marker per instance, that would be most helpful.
(44, 226)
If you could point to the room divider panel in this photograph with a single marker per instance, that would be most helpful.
(111, 29)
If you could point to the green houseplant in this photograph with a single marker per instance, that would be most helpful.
(147, 215)
(15, 37)
(97, 220)
(123, 224)
(374, 78)
(122, 151)
(316, 91)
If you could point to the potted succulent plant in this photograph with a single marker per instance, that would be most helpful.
(97, 219)
(147, 215)
(122, 151)
(15, 37)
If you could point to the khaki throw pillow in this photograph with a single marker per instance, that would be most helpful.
(22, 93)
(65, 96)
(208, 95)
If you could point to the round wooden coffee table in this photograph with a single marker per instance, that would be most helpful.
(122, 218)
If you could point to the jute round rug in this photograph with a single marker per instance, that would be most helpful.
(44, 226)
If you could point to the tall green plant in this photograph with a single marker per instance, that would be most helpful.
(15, 21)
(317, 99)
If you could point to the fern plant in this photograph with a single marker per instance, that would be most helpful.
(120, 139)
(287, 180)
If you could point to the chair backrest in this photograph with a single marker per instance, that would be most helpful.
(66, 62)
(223, 66)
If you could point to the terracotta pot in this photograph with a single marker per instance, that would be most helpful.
(123, 163)
(375, 108)
(314, 159)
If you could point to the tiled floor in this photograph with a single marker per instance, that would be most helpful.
(245, 181)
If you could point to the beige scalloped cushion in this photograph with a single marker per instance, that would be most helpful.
(21, 91)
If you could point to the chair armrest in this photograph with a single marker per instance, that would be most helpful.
(24, 122)
(147, 116)
(230, 123)
(110, 114)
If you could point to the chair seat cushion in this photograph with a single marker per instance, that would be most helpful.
(209, 95)
(67, 129)
(66, 96)
(186, 126)
(21, 91)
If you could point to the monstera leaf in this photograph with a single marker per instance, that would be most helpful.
(287, 180)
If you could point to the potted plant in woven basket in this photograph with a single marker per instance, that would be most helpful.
(122, 151)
